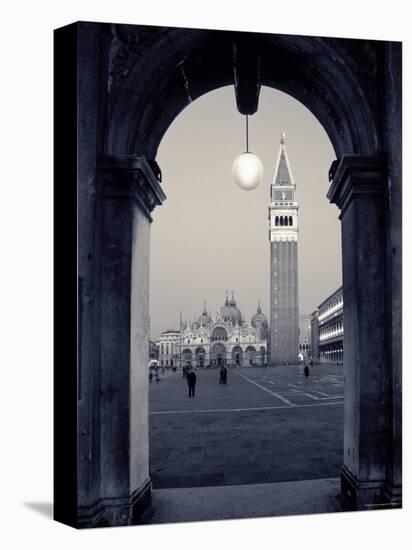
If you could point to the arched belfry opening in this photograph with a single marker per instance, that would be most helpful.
(133, 82)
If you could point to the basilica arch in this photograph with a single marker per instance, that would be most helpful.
(250, 355)
(187, 357)
(237, 356)
(219, 333)
(218, 355)
(200, 356)
(133, 82)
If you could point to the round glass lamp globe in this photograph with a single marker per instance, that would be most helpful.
(247, 171)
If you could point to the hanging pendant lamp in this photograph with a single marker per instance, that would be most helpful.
(247, 170)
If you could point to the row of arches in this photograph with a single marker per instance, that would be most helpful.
(283, 220)
(332, 355)
(220, 356)
(332, 330)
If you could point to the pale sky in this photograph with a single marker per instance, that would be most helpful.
(210, 236)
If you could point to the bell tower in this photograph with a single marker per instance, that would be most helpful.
(283, 236)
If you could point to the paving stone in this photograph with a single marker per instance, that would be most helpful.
(277, 444)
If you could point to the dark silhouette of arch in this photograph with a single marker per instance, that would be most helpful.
(135, 82)
(143, 107)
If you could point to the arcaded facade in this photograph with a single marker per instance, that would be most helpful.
(225, 339)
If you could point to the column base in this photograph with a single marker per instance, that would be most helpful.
(364, 495)
(112, 512)
(393, 494)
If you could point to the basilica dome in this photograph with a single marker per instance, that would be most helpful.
(204, 319)
(259, 320)
(230, 312)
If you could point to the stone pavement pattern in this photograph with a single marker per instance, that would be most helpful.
(266, 425)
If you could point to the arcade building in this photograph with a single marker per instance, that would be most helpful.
(226, 339)
(327, 329)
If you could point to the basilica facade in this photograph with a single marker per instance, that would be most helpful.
(224, 339)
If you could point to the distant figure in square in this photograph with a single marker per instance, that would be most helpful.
(306, 371)
(191, 381)
(223, 375)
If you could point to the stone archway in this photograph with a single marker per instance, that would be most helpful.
(218, 355)
(200, 356)
(237, 356)
(219, 334)
(187, 357)
(133, 82)
(250, 356)
(201, 61)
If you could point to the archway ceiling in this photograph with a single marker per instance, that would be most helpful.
(164, 70)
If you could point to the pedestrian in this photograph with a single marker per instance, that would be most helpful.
(223, 375)
(191, 381)
(306, 371)
(150, 376)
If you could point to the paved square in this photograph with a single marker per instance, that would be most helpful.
(266, 425)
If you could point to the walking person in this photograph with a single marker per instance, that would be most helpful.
(191, 381)
(223, 375)
(306, 371)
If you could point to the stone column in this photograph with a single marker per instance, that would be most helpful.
(359, 190)
(130, 192)
(392, 143)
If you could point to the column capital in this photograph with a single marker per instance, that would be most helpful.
(357, 175)
(131, 177)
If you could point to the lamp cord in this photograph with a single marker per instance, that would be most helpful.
(247, 133)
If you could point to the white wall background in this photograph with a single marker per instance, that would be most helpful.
(26, 269)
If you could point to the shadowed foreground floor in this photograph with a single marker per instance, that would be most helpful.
(245, 501)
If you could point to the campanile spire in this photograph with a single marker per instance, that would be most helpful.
(283, 236)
